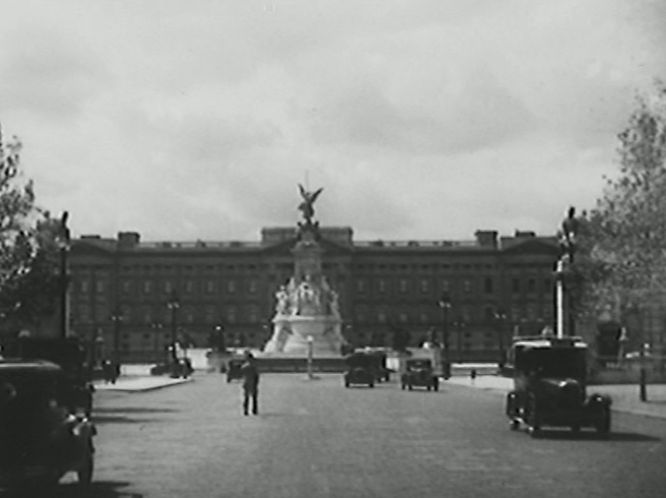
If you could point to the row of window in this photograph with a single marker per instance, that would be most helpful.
(487, 285)
(166, 287)
(458, 318)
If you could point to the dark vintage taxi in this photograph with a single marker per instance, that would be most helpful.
(361, 368)
(419, 372)
(43, 435)
(233, 369)
(550, 387)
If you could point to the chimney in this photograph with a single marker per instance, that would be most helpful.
(487, 238)
(128, 240)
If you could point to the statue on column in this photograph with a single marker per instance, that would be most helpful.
(307, 206)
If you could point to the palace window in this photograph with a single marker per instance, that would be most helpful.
(404, 286)
(515, 285)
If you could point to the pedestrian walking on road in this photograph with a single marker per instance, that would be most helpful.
(250, 384)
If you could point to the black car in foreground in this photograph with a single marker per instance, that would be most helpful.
(42, 435)
(361, 368)
(550, 387)
(419, 372)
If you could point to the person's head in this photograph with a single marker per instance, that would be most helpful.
(248, 355)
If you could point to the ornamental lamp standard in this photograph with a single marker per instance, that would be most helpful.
(173, 304)
(310, 340)
(500, 318)
(219, 340)
(445, 304)
(63, 242)
(116, 318)
(157, 329)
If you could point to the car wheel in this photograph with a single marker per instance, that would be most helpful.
(533, 418)
(85, 473)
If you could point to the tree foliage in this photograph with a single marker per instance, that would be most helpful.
(623, 240)
(29, 281)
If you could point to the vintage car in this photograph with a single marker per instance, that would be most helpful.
(419, 372)
(182, 368)
(41, 437)
(233, 369)
(68, 353)
(550, 387)
(361, 368)
(382, 372)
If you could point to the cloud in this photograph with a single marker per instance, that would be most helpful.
(420, 120)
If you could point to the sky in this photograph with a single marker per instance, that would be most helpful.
(423, 120)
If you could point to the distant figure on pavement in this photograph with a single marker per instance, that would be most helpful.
(250, 384)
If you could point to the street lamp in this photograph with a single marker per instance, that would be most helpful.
(459, 326)
(445, 304)
(157, 329)
(500, 317)
(310, 340)
(116, 318)
(219, 344)
(173, 304)
(63, 241)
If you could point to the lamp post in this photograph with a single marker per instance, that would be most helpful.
(157, 329)
(63, 241)
(116, 318)
(310, 340)
(220, 344)
(500, 317)
(445, 304)
(173, 305)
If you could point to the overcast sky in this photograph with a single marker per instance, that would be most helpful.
(198, 119)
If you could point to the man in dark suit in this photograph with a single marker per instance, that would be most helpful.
(250, 384)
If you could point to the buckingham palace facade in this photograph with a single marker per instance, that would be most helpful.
(134, 297)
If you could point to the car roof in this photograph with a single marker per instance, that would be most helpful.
(549, 343)
(14, 364)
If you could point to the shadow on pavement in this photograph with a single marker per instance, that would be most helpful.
(132, 409)
(119, 419)
(100, 489)
(622, 437)
(123, 415)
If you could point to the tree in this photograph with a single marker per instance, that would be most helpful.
(627, 231)
(29, 282)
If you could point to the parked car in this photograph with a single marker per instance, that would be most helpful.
(382, 372)
(68, 353)
(41, 437)
(419, 372)
(233, 369)
(361, 368)
(550, 387)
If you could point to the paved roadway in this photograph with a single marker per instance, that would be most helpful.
(317, 439)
